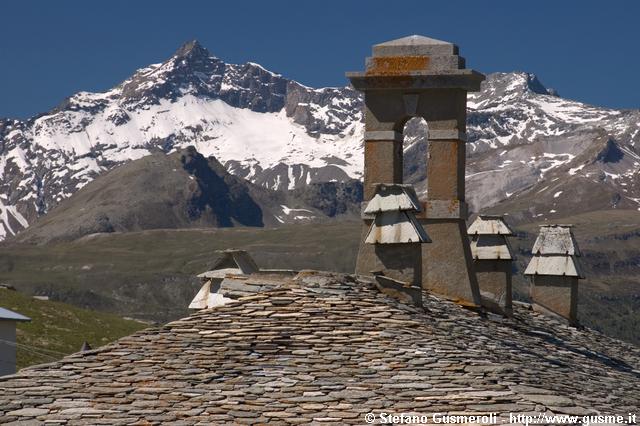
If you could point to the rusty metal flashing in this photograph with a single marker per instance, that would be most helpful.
(400, 290)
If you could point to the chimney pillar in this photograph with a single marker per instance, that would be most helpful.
(555, 270)
(417, 76)
(492, 258)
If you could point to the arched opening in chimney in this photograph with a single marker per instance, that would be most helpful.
(415, 148)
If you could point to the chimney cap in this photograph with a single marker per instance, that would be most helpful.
(556, 240)
(414, 45)
(486, 224)
(393, 197)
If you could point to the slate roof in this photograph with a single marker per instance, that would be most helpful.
(327, 348)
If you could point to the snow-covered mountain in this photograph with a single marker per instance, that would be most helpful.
(283, 135)
(536, 155)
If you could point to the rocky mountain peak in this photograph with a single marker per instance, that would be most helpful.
(192, 49)
(192, 69)
(193, 58)
(510, 87)
(282, 135)
(536, 86)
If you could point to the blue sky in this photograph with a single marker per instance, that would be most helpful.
(586, 50)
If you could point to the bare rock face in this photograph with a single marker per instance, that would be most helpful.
(332, 198)
(191, 69)
(527, 149)
(323, 111)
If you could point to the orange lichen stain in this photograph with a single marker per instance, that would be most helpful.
(397, 65)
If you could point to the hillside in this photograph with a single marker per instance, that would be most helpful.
(151, 274)
(185, 190)
(57, 329)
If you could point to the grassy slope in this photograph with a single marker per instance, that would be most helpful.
(58, 329)
(151, 274)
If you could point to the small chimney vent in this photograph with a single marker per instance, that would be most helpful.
(395, 233)
(555, 270)
(492, 256)
(394, 207)
(229, 263)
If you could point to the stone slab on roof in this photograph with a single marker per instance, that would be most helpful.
(396, 227)
(568, 266)
(328, 348)
(489, 225)
(234, 258)
(220, 273)
(556, 240)
(393, 197)
(491, 247)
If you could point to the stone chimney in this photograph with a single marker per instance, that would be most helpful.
(230, 262)
(492, 257)
(417, 76)
(555, 270)
(396, 233)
